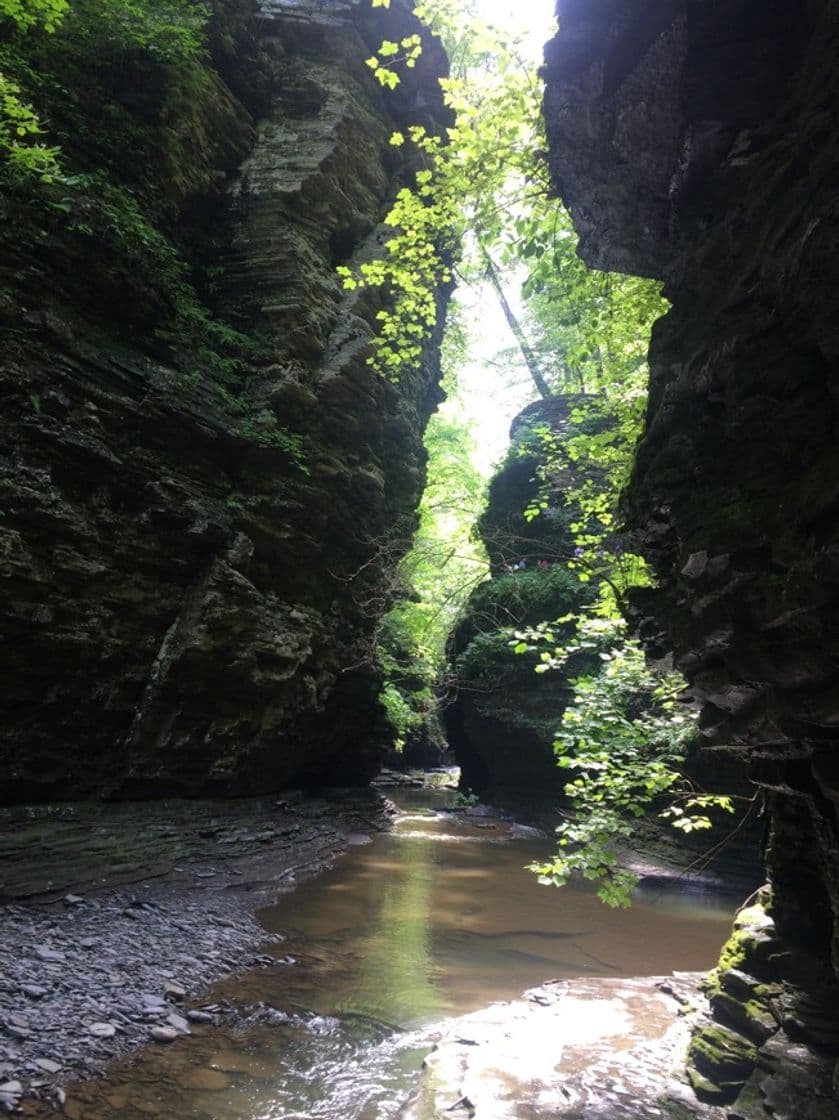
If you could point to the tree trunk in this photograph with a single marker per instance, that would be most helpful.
(514, 325)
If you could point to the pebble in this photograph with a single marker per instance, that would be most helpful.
(178, 1022)
(48, 1065)
(176, 991)
(34, 990)
(72, 899)
(48, 954)
(196, 1016)
(10, 1094)
(102, 1030)
(164, 1034)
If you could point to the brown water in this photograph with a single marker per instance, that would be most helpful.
(433, 920)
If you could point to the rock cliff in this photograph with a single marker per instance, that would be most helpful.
(503, 715)
(697, 143)
(201, 476)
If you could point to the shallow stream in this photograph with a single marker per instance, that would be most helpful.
(432, 920)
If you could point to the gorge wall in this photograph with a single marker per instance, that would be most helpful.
(201, 479)
(697, 143)
(502, 716)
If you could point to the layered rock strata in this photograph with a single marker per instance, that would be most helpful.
(195, 552)
(697, 143)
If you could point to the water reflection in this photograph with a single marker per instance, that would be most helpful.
(441, 920)
(436, 919)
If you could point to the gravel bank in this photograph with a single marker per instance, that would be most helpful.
(91, 967)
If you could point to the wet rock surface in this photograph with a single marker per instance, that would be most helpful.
(768, 1040)
(612, 1050)
(593, 1048)
(90, 973)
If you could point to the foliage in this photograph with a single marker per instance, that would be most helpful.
(486, 654)
(413, 270)
(130, 95)
(623, 740)
(467, 180)
(165, 32)
(444, 564)
(485, 187)
(170, 31)
(20, 126)
(24, 14)
(401, 716)
(527, 596)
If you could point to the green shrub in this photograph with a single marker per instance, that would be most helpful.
(525, 597)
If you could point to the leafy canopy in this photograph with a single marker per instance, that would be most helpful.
(444, 563)
(622, 740)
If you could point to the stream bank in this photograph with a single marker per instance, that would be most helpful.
(119, 915)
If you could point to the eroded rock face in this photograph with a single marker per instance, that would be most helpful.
(502, 718)
(188, 602)
(696, 143)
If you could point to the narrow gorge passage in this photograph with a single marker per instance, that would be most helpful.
(390, 384)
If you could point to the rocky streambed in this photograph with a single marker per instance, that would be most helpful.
(595, 1048)
(118, 917)
(128, 927)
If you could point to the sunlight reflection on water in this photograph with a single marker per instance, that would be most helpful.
(433, 920)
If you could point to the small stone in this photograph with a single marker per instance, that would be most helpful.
(358, 838)
(36, 991)
(48, 954)
(48, 1065)
(102, 1030)
(88, 942)
(72, 899)
(199, 1016)
(178, 1022)
(164, 1034)
(12, 1088)
(696, 564)
(175, 991)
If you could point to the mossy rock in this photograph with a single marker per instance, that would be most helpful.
(753, 944)
(723, 1057)
(709, 1091)
(751, 1017)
